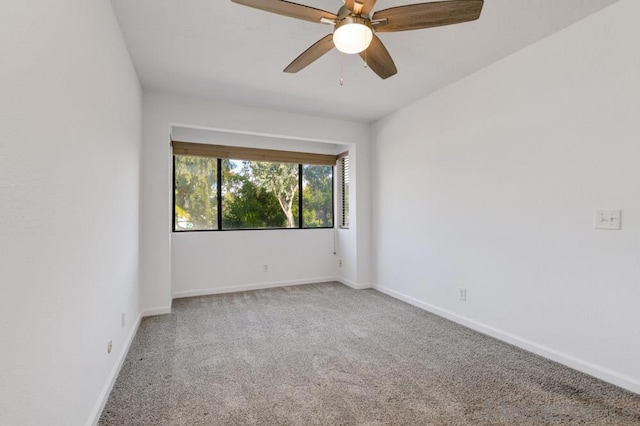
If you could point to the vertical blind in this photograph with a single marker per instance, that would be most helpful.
(343, 166)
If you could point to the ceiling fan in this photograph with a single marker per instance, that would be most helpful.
(355, 26)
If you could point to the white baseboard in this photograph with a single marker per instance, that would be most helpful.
(248, 287)
(352, 284)
(591, 369)
(156, 311)
(108, 386)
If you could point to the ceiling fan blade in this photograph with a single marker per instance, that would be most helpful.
(368, 5)
(360, 6)
(318, 49)
(427, 15)
(350, 4)
(378, 59)
(290, 9)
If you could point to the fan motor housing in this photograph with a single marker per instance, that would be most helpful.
(351, 19)
(343, 13)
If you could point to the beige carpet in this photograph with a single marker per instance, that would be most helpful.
(324, 354)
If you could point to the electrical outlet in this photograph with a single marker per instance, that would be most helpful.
(122, 320)
(109, 346)
(462, 294)
(265, 268)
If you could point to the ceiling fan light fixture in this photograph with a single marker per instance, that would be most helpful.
(352, 35)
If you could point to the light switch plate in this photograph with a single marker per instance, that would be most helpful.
(607, 219)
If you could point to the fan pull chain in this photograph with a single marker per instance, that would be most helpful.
(341, 69)
(365, 50)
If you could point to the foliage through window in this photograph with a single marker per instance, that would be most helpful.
(196, 194)
(317, 196)
(258, 194)
(218, 193)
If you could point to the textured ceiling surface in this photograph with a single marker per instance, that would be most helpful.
(220, 50)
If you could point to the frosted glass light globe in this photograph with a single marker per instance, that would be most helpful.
(352, 37)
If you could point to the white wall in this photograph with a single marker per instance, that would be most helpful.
(69, 169)
(162, 112)
(354, 243)
(491, 185)
(220, 262)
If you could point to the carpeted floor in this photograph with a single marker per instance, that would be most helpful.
(324, 354)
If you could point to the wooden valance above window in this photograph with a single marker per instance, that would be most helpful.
(251, 154)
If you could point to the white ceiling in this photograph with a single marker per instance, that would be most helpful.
(224, 51)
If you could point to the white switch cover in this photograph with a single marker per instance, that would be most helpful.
(607, 219)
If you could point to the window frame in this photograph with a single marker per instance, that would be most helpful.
(190, 149)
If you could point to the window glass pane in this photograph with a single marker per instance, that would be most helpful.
(317, 196)
(196, 203)
(258, 194)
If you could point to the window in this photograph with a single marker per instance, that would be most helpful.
(317, 196)
(343, 189)
(196, 193)
(260, 194)
(224, 188)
